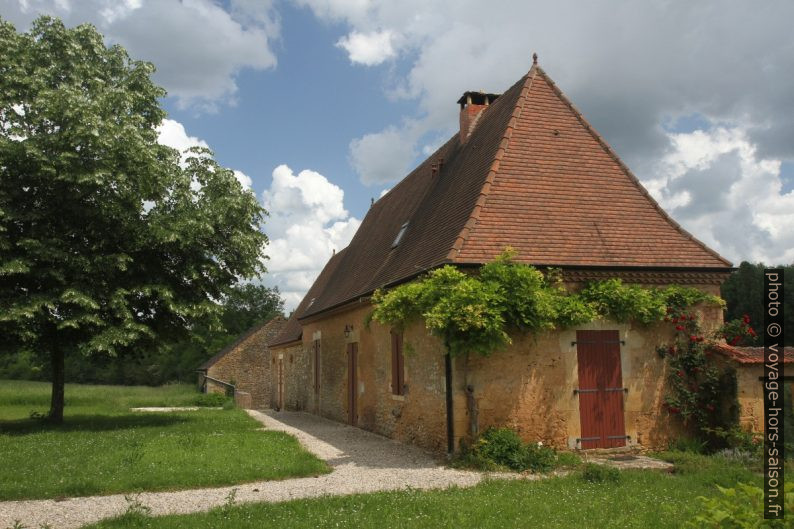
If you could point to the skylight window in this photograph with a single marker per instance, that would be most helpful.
(399, 235)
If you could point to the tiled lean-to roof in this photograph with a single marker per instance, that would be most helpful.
(533, 175)
(750, 355)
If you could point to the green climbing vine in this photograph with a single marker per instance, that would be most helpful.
(701, 394)
(473, 313)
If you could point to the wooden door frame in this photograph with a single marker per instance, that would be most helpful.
(317, 373)
(280, 382)
(352, 383)
(602, 410)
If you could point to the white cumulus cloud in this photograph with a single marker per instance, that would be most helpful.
(369, 49)
(307, 222)
(384, 156)
(198, 46)
(718, 187)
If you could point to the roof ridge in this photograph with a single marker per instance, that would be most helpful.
(486, 187)
(608, 149)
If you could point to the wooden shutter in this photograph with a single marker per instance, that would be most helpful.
(397, 364)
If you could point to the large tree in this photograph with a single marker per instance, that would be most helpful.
(109, 242)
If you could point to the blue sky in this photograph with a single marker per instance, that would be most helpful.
(322, 104)
(304, 113)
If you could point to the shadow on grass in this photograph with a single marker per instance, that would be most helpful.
(90, 423)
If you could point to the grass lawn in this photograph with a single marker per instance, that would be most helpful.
(642, 499)
(103, 448)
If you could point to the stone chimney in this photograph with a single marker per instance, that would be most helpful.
(472, 105)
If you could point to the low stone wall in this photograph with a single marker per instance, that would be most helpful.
(242, 400)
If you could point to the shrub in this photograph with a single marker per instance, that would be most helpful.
(539, 458)
(737, 439)
(688, 444)
(594, 473)
(211, 400)
(472, 459)
(503, 447)
(741, 507)
(568, 459)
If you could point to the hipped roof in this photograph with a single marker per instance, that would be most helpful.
(533, 175)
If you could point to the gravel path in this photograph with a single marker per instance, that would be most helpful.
(362, 462)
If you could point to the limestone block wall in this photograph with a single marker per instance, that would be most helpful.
(529, 386)
(418, 417)
(750, 393)
(297, 379)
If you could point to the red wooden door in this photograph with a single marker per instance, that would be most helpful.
(600, 389)
(352, 383)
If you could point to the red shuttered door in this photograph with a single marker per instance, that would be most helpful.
(600, 389)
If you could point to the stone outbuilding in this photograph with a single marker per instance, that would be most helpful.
(244, 365)
(525, 170)
(748, 365)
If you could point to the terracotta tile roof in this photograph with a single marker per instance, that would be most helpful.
(436, 208)
(291, 331)
(750, 355)
(533, 175)
(560, 196)
(272, 325)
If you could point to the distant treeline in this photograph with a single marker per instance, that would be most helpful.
(251, 304)
(744, 294)
(246, 306)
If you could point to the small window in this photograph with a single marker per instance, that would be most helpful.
(397, 364)
(399, 235)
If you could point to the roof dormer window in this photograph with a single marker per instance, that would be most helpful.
(399, 235)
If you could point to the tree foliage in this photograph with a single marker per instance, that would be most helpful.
(475, 312)
(109, 242)
(249, 304)
(744, 293)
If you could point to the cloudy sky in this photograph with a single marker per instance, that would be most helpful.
(320, 105)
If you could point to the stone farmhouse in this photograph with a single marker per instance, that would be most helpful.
(526, 170)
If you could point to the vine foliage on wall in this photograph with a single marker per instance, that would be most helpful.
(474, 313)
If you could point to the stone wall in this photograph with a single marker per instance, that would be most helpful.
(750, 393)
(418, 417)
(529, 386)
(246, 363)
(297, 380)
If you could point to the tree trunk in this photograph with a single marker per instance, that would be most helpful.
(471, 402)
(56, 404)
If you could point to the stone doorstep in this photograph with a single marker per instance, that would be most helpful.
(630, 461)
(628, 449)
(174, 408)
